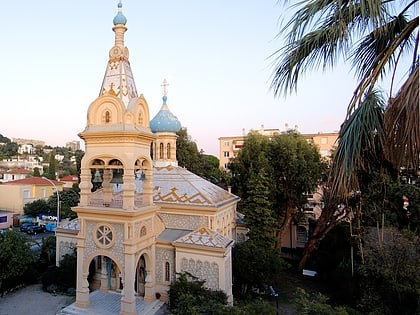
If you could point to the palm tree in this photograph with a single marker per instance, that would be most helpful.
(379, 38)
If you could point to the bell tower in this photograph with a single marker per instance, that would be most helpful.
(116, 212)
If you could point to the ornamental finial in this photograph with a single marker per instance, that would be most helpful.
(164, 86)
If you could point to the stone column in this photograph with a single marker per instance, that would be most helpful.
(129, 189)
(104, 275)
(128, 300)
(82, 284)
(85, 186)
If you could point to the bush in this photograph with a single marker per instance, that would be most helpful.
(187, 295)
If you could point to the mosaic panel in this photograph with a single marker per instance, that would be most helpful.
(187, 222)
(207, 271)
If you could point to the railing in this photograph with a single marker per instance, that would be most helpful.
(100, 202)
(115, 202)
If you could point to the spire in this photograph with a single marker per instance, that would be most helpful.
(118, 79)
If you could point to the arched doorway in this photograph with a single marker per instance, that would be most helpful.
(141, 274)
(104, 274)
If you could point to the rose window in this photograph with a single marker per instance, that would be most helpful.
(104, 236)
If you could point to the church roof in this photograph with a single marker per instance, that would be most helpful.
(171, 235)
(204, 237)
(177, 185)
(165, 121)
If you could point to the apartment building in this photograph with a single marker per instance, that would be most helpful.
(229, 146)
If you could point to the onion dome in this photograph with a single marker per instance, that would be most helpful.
(165, 121)
(120, 18)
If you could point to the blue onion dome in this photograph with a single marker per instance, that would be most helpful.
(165, 121)
(120, 18)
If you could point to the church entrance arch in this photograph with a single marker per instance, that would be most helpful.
(141, 275)
(105, 274)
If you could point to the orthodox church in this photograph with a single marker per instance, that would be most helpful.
(141, 218)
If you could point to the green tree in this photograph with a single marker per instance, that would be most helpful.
(258, 210)
(68, 198)
(9, 150)
(48, 250)
(292, 165)
(38, 207)
(15, 259)
(255, 266)
(390, 280)
(187, 295)
(188, 156)
(52, 166)
(187, 152)
(375, 36)
(317, 304)
(36, 172)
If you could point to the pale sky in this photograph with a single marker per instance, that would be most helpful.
(214, 55)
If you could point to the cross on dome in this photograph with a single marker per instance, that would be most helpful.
(164, 86)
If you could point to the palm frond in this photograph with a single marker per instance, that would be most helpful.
(320, 32)
(371, 75)
(357, 145)
(402, 125)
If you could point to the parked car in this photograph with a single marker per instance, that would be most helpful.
(35, 229)
(24, 226)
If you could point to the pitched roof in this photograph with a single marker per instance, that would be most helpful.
(18, 171)
(34, 181)
(206, 238)
(69, 178)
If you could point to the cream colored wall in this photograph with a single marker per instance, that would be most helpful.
(221, 257)
(12, 197)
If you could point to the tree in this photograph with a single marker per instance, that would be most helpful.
(390, 280)
(68, 198)
(188, 295)
(187, 152)
(38, 207)
(188, 156)
(255, 266)
(377, 134)
(52, 166)
(375, 39)
(292, 165)
(15, 259)
(36, 172)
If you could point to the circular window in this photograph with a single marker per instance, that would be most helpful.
(104, 236)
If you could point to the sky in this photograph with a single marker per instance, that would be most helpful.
(214, 54)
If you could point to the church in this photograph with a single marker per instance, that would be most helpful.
(141, 218)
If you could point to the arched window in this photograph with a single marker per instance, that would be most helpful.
(161, 151)
(143, 231)
(167, 271)
(140, 119)
(168, 151)
(107, 117)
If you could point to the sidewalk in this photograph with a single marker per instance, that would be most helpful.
(33, 300)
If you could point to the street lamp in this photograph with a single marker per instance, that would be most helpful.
(58, 198)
